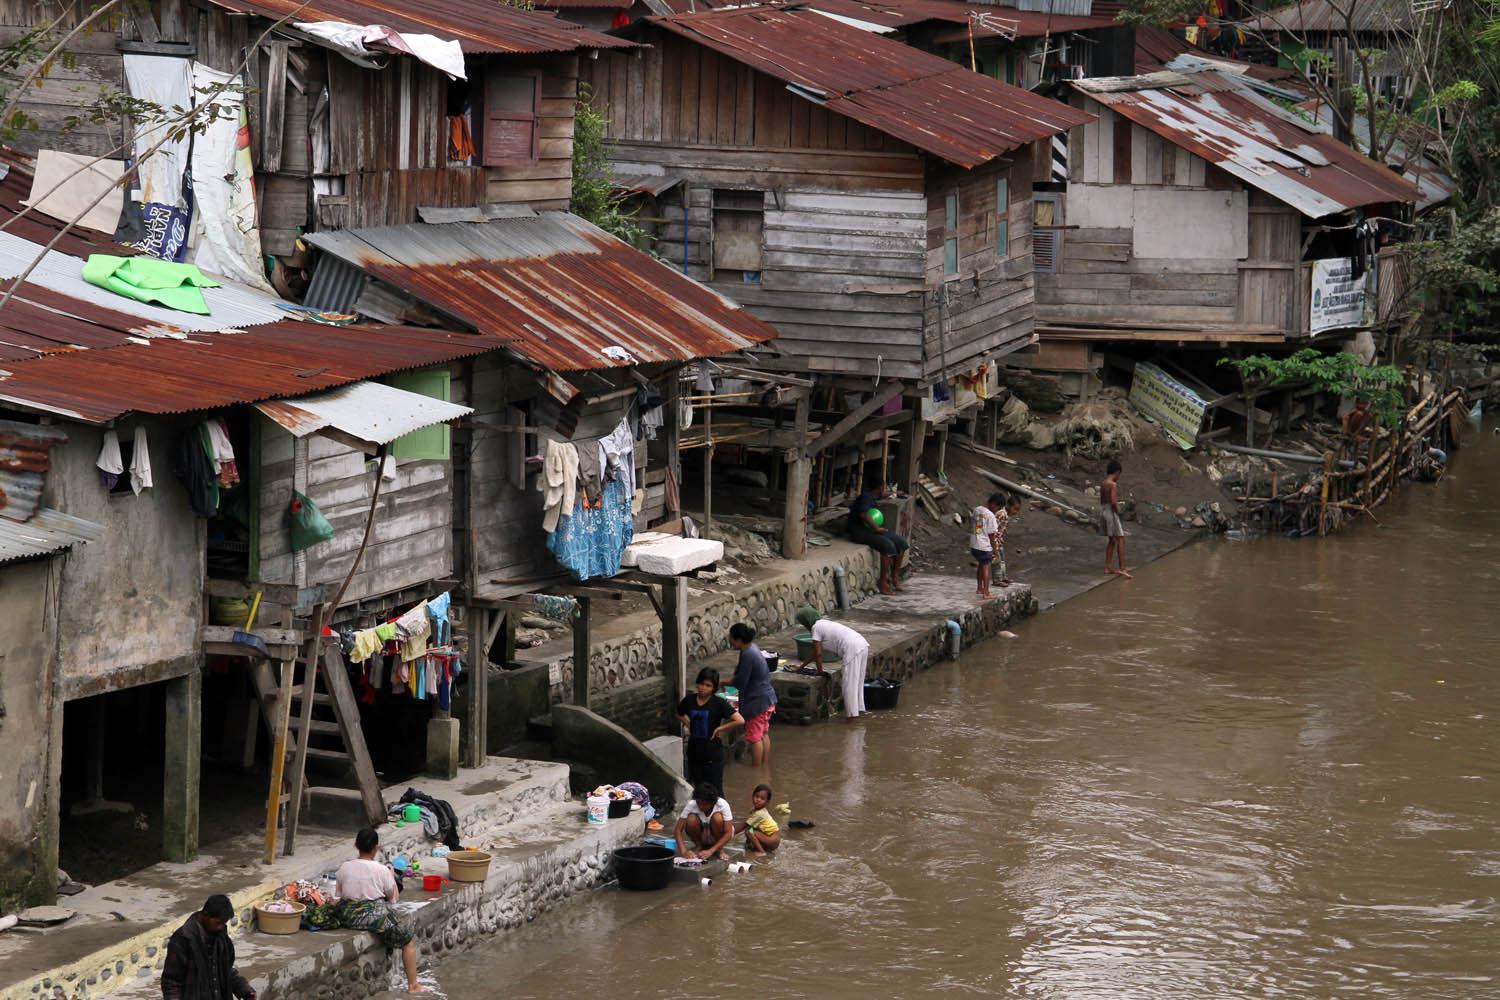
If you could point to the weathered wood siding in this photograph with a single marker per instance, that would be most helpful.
(841, 274)
(988, 307)
(411, 542)
(58, 95)
(1157, 235)
(507, 519)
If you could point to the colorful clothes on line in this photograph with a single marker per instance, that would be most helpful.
(591, 541)
(375, 916)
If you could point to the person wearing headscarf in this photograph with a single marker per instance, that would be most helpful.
(852, 650)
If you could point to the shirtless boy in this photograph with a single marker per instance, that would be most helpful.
(1110, 523)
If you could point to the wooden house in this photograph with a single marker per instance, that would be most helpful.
(869, 199)
(1198, 211)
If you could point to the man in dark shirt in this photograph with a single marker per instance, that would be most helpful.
(200, 957)
(863, 529)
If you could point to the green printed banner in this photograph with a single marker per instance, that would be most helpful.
(1165, 401)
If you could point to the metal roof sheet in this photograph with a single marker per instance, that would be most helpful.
(479, 26)
(1004, 22)
(935, 105)
(366, 411)
(49, 531)
(1325, 15)
(290, 358)
(25, 457)
(560, 292)
(1211, 115)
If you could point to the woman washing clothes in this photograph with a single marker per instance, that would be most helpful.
(366, 889)
(852, 649)
(757, 697)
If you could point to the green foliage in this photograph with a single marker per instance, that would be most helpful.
(1341, 373)
(1161, 13)
(1459, 277)
(594, 197)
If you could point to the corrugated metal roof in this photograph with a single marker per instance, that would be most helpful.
(49, 531)
(937, 106)
(1407, 156)
(479, 26)
(25, 457)
(560, 291)
(230, 305)
(1317, 16)
(1156, 47)
(289, 358)
(367, 411)
(1005, 22)
(1211, 115)
(653, 184)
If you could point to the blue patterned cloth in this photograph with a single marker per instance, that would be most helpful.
(590, 541)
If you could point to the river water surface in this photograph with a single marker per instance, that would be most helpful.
(1260, 769)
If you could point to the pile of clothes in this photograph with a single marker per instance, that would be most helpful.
(439, 821)
(589, 499)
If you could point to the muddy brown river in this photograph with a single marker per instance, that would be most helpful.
(1261, 769)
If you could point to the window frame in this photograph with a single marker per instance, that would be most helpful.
(952, 213)
(1002, 218)
(534, 118)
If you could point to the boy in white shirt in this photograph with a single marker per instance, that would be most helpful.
(705, 826)
(985, 540)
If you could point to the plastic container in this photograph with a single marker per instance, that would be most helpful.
(643, 869)
(412, 813)
(271, 922)
(804, 646)
(432, 883)
(619, 808)
(468, 866)
(882, 694)
(773, 658)
(598, 806)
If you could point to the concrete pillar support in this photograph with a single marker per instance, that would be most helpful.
(442, 746)
(182, 771)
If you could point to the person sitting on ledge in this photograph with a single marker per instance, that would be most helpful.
(867, 528)
(366, 889)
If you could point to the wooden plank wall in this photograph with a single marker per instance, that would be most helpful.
(507, 506)
(548, 184)
(1101, 279)
(841, 274)
(989, 308)
(411, 542)
(51, 100)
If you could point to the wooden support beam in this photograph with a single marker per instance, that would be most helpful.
(347, 710)
(674, 644)
(672, 425)
(582, 652)
(798, 475)
(476, 725)
(852, 419)
(181, 771)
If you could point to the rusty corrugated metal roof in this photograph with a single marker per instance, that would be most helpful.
(917, 97)
(1006, 22)
(25, 457)
(479, 26)
(368, 412)
(564, 294)
(1319, 16)
(1211, 115)
(205, 371)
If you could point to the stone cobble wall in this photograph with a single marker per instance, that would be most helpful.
(628, 686)
(902, 661)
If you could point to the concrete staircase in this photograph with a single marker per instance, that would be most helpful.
(520, 811)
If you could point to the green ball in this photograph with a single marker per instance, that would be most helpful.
(876, 517)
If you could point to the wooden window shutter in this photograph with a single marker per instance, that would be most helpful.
(512, 125)
(432, 443)
(1046, 232)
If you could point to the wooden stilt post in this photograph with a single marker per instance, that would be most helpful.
(798, 471)
(674, 643)
(582, 650)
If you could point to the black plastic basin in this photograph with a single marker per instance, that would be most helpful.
(643, 868)
(881, 694)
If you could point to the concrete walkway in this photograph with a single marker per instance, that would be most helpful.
(521, 809)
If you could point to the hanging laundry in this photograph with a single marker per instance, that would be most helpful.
(218, 436)
(412, 629)
(590, 474)
(366, 645)
(705, 380)
(146, 279)
(555, 606)
(195, 469)
(591, 542)
(617, 456)
(388, 468)
(559, 482)
(437, 610)
(648, 412)
(140, 462)
(109, 461)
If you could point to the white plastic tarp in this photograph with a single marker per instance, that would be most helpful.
(167, 82)
(228, 241)
(361, 43)
(72, 186)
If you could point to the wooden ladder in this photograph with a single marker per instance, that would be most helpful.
(319, 661)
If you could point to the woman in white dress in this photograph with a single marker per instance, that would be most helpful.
(852, 649)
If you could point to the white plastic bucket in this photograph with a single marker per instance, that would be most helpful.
(598, 809)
